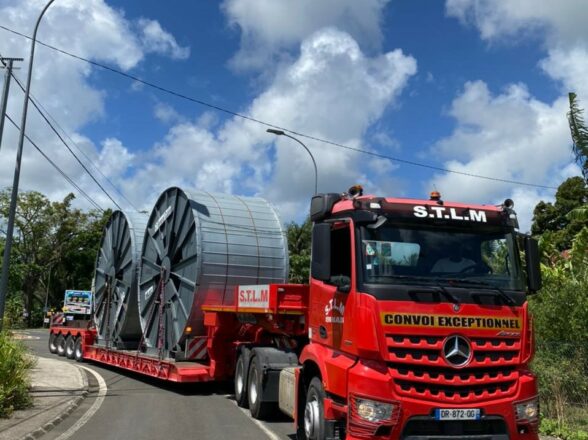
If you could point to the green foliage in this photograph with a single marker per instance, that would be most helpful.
(561, 329)
(299, 242)
(556, 390)
(13, 311)
(579, 134)
(555, 219)
(554, 428)
(14, 366)
(54, 248)
(559, 311)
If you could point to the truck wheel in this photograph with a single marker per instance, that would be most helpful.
(258, 408)
(78, 350)
(60, 342)
(52, 343)
(241, 378)
(314, 411)
(70, 344)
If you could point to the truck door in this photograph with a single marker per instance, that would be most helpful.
(329, 297)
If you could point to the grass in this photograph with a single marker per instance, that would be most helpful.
(14, 382)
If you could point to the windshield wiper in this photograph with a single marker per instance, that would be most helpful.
(433, 280)
(490, 286)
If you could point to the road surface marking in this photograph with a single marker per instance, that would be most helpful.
(24, 336)
(272, 435)
(92, 410)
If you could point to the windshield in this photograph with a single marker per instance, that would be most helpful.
(397, 254)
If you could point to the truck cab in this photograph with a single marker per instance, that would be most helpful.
(418, 321)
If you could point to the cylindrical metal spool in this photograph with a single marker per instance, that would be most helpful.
(115, 280)
(197, 248)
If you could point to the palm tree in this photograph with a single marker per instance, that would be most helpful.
(579, 135)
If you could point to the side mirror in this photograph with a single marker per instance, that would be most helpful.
(320, 267)
(342, 282)
(532, 259)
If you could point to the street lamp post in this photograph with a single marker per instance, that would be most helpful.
(282, 133)
(14, 195)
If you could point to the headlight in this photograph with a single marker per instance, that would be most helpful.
(528, 411)
(374, 411)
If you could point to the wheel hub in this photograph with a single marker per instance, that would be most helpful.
(166, 268)
(311, 419)
(253, 388)
(240, 380)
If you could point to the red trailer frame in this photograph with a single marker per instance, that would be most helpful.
(281, 316)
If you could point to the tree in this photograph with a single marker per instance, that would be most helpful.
(555, 218)
(54, 248)
(579, 135)
(299, 241)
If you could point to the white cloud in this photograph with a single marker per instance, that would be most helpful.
(510, 136)
(560, 23)
(114, 158)
(331, 89)
(560, 26)
(514, 135)
(93, 30)
(569, 67)
(307, 96)
(268, 26)
(155, 39)
(166, 113)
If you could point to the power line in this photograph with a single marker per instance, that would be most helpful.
(81, 151)
(66, 145)
(65, 176)
(267, 124)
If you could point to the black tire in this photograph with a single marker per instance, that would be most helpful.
(314, 411)
(70, 344)
(258, 408)
(241, 376)
(79, 350)
(52, 343)
(60, 342)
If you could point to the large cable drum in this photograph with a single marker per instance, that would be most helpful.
(197, 248)
(116, 313)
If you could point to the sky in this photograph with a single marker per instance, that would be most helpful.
(462, 87)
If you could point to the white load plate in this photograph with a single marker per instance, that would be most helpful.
(457, 414)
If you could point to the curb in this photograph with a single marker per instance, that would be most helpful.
(61, 417)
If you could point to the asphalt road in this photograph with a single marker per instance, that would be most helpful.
(141, 408)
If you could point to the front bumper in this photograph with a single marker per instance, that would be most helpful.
(415, 418)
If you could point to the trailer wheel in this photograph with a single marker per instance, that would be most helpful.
(52, 343)
(78, 350)
(258, 408)
(314, 411)
(241, 378)
(70, 344)
(60, 342)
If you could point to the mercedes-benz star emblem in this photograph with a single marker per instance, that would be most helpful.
(457, 351)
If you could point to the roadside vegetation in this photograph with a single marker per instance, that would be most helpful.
(54, 249)
(560, 309)
(14, 382)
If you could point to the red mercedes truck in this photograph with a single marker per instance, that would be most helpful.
(414, 326)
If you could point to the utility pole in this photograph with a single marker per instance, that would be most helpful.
(7, 64)
(14, 195)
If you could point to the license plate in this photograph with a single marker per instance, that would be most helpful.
(457, 414)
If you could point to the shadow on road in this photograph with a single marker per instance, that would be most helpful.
(186, 389)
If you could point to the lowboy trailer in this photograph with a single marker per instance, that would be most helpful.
(414, 326)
